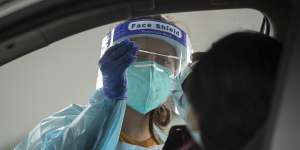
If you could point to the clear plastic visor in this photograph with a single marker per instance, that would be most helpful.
(159, 51)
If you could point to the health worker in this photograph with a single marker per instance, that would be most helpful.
(142, 64)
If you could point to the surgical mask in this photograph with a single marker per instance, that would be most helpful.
(149, 85)
(181, 104)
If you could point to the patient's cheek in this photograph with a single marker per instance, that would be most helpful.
(192, 120)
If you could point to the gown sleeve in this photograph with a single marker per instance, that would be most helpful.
(95, 126)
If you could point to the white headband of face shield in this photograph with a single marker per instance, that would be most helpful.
(153, 29)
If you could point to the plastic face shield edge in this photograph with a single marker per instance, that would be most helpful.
(155, 29)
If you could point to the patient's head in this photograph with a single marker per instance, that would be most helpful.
(231, 88)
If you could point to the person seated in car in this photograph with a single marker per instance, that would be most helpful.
(230, 89)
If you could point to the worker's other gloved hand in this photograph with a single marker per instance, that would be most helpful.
(113, 65)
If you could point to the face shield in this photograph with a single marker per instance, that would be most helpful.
(158, 51)
(158, 41)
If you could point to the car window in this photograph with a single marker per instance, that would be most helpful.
(47, 80)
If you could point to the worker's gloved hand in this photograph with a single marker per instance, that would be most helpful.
(113, 65)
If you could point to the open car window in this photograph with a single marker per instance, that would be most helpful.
(47, 80)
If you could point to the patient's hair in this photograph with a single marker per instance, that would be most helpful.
(231, 88)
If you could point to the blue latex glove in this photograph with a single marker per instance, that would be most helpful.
(113, 65)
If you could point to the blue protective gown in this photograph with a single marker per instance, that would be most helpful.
(78, 127)
(96, 126)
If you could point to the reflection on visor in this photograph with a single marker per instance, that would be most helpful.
(169, 56)
(166, 60)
